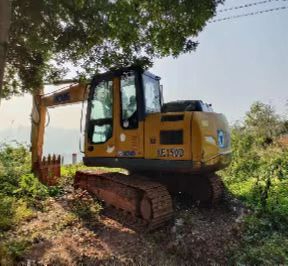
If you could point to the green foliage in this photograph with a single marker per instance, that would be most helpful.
(258, 176)
(12, 251)
(6, 212)
(29, 186)
(12, 211)
(20, 191)
(262, 123)
(86, 208)
(270, 250)
(245, 158)
(14, 162)
(96, 35)
(265, 191)
(255, 154)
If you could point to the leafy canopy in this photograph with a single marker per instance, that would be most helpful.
(95, 35)
(263, 123)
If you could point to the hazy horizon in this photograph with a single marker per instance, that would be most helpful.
(237, 62)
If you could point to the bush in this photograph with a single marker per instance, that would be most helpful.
(258, 176)
(269, 250)
(30, 187)
(14, 162)
(12, 211)
(6, 212)
(12, 251)
(20, 191)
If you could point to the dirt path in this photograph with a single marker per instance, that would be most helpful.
(61, 235)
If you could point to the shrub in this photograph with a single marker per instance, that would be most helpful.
(14, 162)
(6, 212)
(12, 211)
(258, 176)
(29, 186)
(19, 190)
(261, 245)
(12, 251)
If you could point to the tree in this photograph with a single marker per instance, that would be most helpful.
(5, 10)
(96, 34)
(263, 123)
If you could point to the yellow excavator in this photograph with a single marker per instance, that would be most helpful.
(166, 147)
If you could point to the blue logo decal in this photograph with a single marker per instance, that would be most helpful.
(221, 138)
(63, 97)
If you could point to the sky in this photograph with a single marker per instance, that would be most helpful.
(237, 62)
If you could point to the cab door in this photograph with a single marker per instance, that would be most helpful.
(100, 129)
(130, 127)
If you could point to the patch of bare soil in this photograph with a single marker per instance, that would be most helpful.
(62, 235)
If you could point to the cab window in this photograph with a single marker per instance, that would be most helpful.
(129, 114)
(101, 113)
(152, 94)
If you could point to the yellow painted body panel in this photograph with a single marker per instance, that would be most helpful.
(200, 139)
(130, 140)
(205, 146)
(73, 94)
(153, 126)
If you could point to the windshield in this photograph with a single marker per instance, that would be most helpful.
(152, 94)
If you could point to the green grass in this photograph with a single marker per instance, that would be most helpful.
(265, 236)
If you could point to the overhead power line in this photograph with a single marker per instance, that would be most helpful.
(249, 14)
(249, 5)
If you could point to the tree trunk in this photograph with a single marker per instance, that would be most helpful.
(5, 20)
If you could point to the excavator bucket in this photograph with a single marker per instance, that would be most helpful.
(49, 170)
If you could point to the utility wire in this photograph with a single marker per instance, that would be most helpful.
(249, 14)
(249, 5)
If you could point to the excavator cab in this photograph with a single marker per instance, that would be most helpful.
(118, 103)
(128, 126)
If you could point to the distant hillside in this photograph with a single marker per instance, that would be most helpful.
(57, 140)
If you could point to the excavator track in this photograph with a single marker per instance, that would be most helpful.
(144, 200)
(216, 189)
(205, 189)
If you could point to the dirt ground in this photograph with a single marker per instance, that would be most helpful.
(61, 235)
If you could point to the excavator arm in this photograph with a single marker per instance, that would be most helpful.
(48, 169)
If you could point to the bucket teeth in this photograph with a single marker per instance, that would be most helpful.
(49, 170)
